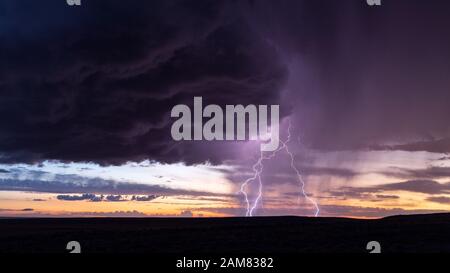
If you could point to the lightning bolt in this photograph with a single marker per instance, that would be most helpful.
(299, 176)
(258, 168)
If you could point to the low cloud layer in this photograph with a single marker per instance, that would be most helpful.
(417, 186)
(86, 196)
(77, 184)
(105, 198)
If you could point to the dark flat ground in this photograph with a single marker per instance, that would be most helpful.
(260, 235)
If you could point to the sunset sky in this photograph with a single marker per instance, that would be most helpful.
(86, 94)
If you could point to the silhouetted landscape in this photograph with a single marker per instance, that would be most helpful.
(271, 235)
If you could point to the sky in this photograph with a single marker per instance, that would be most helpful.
(86, 94)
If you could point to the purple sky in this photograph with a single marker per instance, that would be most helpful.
(86, 92)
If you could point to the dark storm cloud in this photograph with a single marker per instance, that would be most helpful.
(97, 82)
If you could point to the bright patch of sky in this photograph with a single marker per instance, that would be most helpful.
(201, 177)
